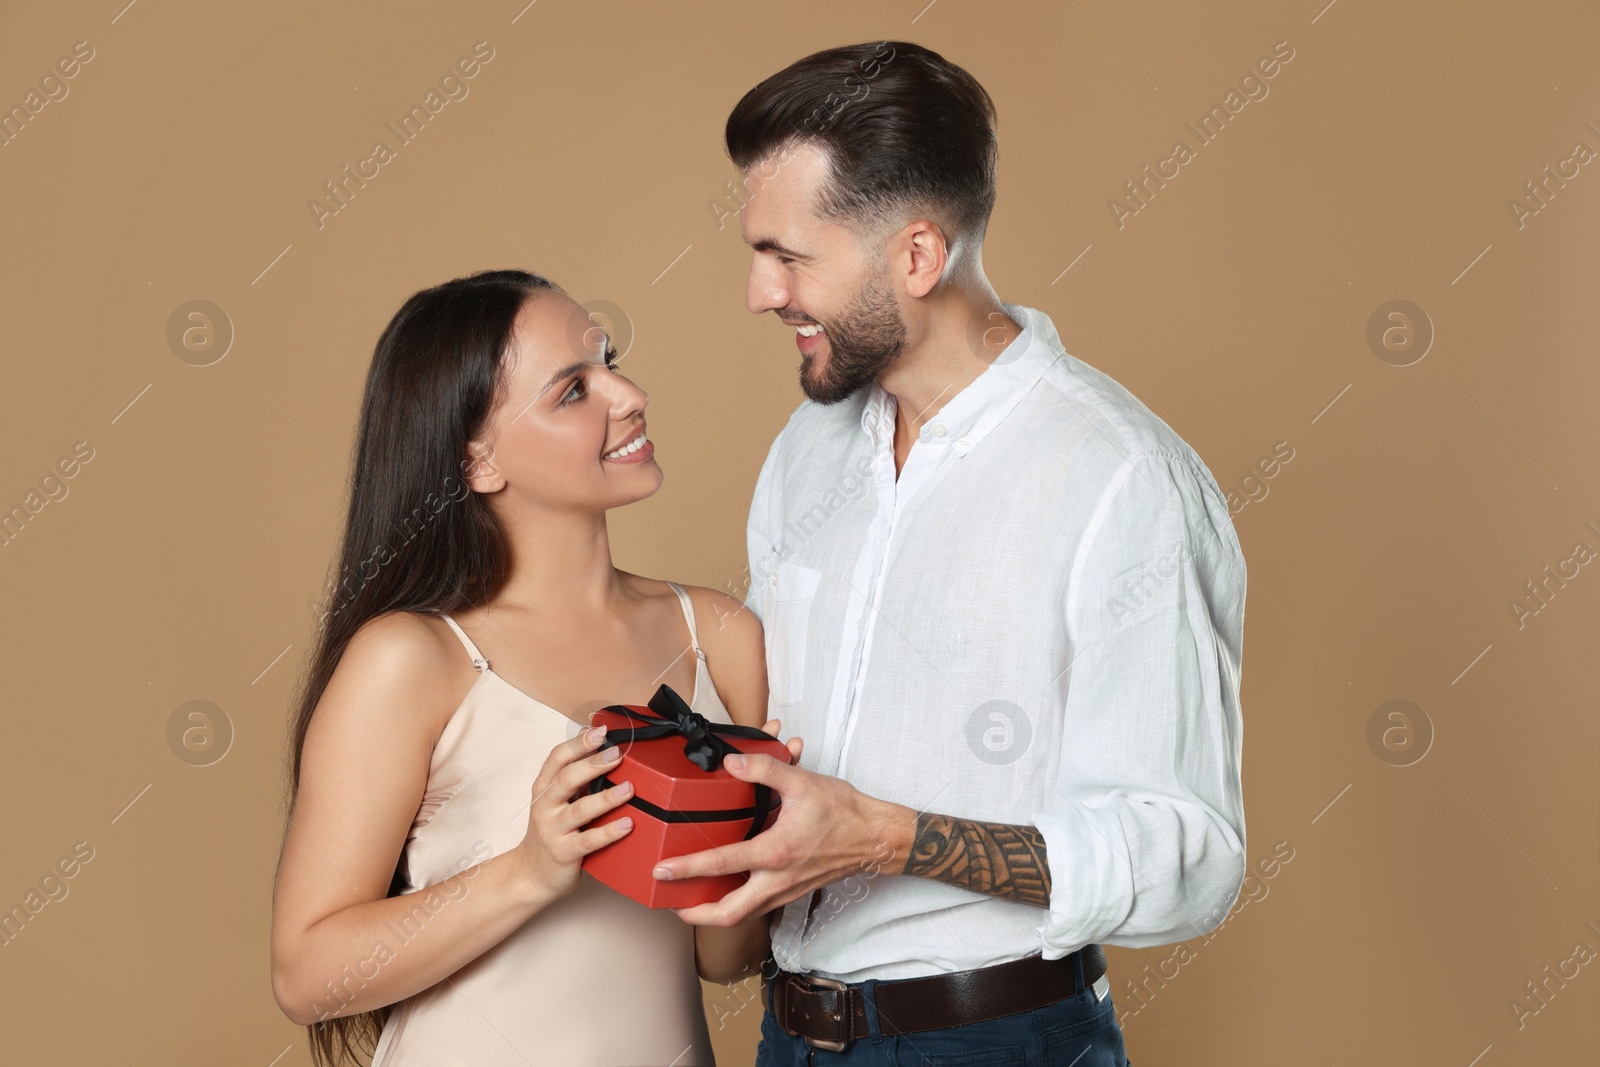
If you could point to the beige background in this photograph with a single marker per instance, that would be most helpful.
(1382, 558)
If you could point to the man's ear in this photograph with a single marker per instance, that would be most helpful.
(930, 252)
(481, 473)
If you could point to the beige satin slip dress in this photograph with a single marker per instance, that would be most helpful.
(593, 979)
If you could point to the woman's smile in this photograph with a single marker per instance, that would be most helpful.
(638, 449)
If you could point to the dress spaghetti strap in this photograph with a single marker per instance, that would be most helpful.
(688, 615)
(478, 662)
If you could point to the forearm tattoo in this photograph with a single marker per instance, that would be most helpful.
(997, 858)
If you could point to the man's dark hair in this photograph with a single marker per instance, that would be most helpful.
(903, 127)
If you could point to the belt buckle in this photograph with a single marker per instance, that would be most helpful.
(818, 981)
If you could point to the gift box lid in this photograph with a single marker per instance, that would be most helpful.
(660, 767)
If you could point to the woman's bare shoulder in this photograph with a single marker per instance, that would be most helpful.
(721, 620)
(401, 667)
(408, 642)
(735, 648)
(719, 614)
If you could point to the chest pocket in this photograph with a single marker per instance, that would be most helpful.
(792, 591)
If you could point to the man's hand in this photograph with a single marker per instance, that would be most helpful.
(825, 830)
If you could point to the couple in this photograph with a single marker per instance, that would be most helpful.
(1000, 600)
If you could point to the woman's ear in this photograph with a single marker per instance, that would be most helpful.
(482, 475)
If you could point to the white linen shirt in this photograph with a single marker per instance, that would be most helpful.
(1040, 621)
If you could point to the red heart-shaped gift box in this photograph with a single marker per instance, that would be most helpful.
(683, 800)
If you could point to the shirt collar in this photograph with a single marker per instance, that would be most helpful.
(969, 415)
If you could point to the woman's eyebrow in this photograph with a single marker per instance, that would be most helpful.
(562, 373)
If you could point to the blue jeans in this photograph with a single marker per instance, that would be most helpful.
(1079, 1031)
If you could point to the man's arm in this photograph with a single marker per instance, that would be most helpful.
(1145, 821)
(997, 858)
(1156, 517)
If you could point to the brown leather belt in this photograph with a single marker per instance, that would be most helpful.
(830, 1014)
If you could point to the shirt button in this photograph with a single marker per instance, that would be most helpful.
(938, 430)
(962, 444)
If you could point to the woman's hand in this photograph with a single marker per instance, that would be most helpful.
(554, 848)
(772, 726)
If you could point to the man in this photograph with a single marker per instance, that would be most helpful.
(1003, 604)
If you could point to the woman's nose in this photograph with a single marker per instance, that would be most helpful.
(626, 397)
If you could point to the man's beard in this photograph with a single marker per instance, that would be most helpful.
(867, 338)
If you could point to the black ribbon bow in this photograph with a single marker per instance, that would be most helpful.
(705, 744)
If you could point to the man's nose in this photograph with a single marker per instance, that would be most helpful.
(765, 290)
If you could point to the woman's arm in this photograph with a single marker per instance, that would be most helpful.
(732, 639)
(363, 773)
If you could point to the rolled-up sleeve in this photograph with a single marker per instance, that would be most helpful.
(1144, 830)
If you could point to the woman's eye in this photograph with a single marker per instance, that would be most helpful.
(578, 389)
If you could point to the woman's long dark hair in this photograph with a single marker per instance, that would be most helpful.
(416, 538)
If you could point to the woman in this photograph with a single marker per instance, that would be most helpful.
(430, 899)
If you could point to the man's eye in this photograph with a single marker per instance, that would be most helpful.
(785, 260)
